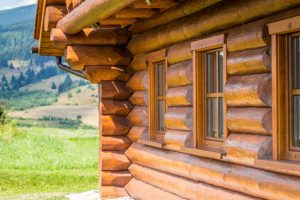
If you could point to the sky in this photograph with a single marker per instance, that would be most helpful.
(7, 4)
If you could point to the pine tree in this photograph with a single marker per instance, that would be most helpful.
(53, 86)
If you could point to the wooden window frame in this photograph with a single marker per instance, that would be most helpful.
(199, 123)
(281, 33)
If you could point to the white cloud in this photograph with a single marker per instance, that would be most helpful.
(16, 3)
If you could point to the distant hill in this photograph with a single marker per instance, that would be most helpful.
(16, 15)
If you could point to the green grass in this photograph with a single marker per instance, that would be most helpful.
(38, 160)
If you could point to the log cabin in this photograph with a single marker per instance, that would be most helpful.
(199, 99)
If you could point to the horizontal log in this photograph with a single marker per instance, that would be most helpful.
(137, 132)
(238, 178)
(139, 98)
(178, 138)
(180, 74)
(88, 14)
(250, 120)
(52, 15)
(115, 90)
(113, 192)
(180, 10)
(116, 143)
(250, 36)
(89, 36)
(69, 5)
(184, 188)
(113, 107)
(113, 125)
(119, 179)
(114, 161)
(139, 116)
(161, 4)
(249, 90)
(112, 21)
(179, 52)
(179, 118)
(180, 96)
(55, 2)
(254, 61)
(80, 56)
(212, 19)
(96, 74)
(245, 147)
(134, 13)
(139, 81)
(139, 63)
(141, 190)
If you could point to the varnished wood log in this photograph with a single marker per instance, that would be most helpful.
(80, 56)
(134, 13)
(179, 52)
(250, 36)
(76, 3)
(113, 107)
(183, 9)
(184, 188)
(115, 90)
(89, 36)
(116, 143)
(113, 192)
(250, 90)
(119, 179)
(52, 15)
(254, 61)
(114, 161)
(137, 132)
(178, 138)
(179, 118)
(113, 125)
(229, 176)
(96, 74)
(139, 116)
(161, 4)
(250, 120)
(139, 63)
(218, 17)
(180, 96)
(141, 190)
(55, 2)
(180, 74)
(245, 147)
(112, 21)
(69, 5)
(139, 98)
(88, 14)
(139, 81)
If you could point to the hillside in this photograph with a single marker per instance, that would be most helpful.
(17, 15)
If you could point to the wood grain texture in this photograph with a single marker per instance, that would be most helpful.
(119, 179)
(139, 98)
(180, 96)
(138, 132)
(179, 52)
(139, 116)
(139, 63)
(96, 74)
(113, 125)
(114, 161)
(115, 90)
(175, 138)
(113, 107)
(52, 15)
(113, 192)
(115, 143)
(179, 118)
(180, 74)
(139, 81)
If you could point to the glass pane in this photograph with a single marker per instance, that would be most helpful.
(220, 63)
(211, 66)
(221, 128)
(296, 121)
(160, 79)
(212, 118)
(161, 114)
(296, 62)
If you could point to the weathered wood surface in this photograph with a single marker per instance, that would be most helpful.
(88, 14)
(184, 188)
(113, 192)
(139, 98)
(159, 4)
(250, 120)
(130, 13)
(180, 74)
(139, 63)
(238, 178)
(139, 116)
(52, 15)
(179, 52)
(80, 56)
(210, 20)
(115, 90)
(178, 138)
(113, 107)
(180, 96)
(141, 190)
(116, 143)
(139, 81)
(245, 146)
(183, 9)
(179, 118)
(113, 125)
(249, 90)
(119, 179)
(96, 74)
(55, 2)
(112, 21)
(250, 36)
(138, 132)
(254, 61)
(89, 36)
(114, 161)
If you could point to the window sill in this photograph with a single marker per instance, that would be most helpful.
(150, 143)
(205, 153)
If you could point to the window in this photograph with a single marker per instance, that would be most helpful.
(209, 79)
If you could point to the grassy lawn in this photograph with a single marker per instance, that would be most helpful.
(40, 162)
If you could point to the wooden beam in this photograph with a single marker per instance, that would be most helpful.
(114, 161)
(52, 15)
(180, 74)
(115, 143)
(116, 90)
(131, 13)
(161, 4)
(112, 21)
(96, 74)
(113, 125)
(179, 118)
(113, 107)
(89, 13)
(139, 116)
(119, 179)
(55, 2)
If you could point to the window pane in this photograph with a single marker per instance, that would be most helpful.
(159, 67)
(296, 62)
(212, 118)
(221, 128)
(211, 67)
(296, 121)
(161, 114)
(220, 63)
